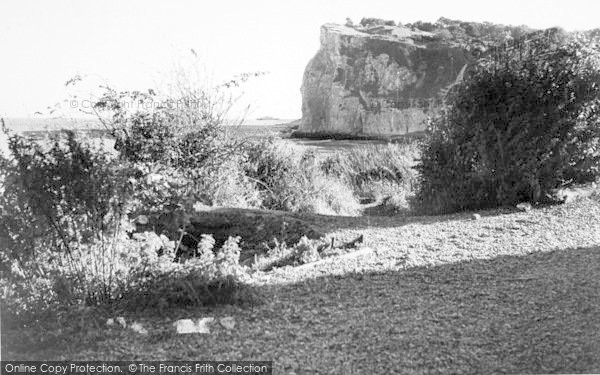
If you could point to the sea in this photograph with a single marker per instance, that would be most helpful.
(251, 129)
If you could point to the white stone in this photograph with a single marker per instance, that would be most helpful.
(203, 325)
(122, 321)
(110, 322)
(227, 322)
(138, 328)
(184, 326)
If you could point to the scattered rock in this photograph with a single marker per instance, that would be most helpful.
(184, 326)
(122, 321)
(138, 328)
(110, 322)
(525, 207)
(476, 217)
(227, 322)
(203, 325)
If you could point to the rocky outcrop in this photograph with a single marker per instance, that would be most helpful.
(378, 81)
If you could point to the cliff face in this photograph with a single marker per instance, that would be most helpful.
(377, 81)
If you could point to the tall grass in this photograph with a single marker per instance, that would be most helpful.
(380, 173)
(367, 163)
(289, 178)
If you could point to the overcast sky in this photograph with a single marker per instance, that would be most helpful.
(135, 44)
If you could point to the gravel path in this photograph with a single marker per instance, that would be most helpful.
(512, 292)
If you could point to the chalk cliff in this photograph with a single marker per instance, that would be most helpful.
(378, 80)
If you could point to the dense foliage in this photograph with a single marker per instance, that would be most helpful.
(523, 122)
(69, 210)
(182, 132)
(60, 202)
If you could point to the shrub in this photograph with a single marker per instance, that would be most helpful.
(65, 235)
(180, 142)
(176, 131)
(65, 230)
(523, 122)
(158, 186)
(61, 202)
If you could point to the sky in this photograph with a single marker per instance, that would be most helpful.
(137, 44)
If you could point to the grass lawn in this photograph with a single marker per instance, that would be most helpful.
(511, 292)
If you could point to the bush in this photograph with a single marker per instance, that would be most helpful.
(179, 141)
(61, 201)
(65, 230)
(65, 235)
(523, 122)
(290, 179)
(179, 131)
(158, 186)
